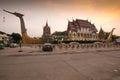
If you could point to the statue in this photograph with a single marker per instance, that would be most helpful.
(25, 38)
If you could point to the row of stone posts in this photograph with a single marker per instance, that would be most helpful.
(84, 46)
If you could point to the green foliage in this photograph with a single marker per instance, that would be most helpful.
(106, 35)
(113, 36)
(16, 37)
(1, 44)
(64, 33)
(59, 35)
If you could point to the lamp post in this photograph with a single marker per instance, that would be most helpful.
(20, 46)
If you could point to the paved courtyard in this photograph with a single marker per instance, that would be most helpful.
(61, 64)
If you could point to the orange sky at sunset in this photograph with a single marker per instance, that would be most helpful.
(103, 13)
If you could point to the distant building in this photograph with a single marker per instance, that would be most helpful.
(5, 38)
(3, 35)
(47, 37)
(117, 41)
(81, 30)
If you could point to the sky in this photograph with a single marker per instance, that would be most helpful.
(102, 13)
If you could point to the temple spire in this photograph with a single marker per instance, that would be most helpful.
(101, 34)
(47, 23)
(47, 37)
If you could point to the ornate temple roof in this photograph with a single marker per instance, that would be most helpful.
(78, 23)
(101, 34)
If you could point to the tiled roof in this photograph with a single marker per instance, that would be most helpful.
(2, 32)
(78, 23)
(84, 23)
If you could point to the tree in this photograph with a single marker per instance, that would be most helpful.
(64, 33)
(114, 37)
(16, 37)
(59, 35)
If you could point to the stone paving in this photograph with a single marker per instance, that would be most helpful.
(61, 64)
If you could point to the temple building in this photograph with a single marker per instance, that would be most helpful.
(101, 34)
(81, 30)
(47, 37)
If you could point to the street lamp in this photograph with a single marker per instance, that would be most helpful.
(20, 46)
